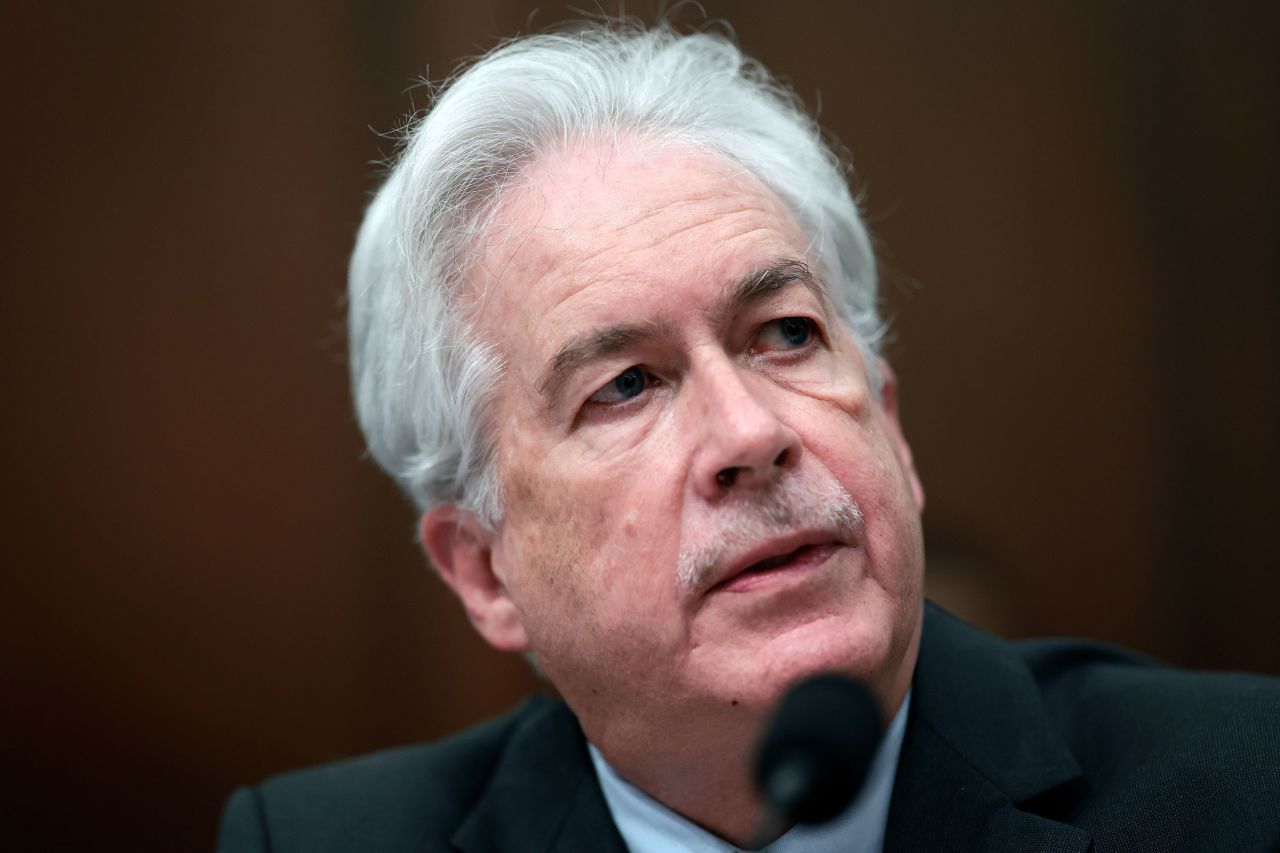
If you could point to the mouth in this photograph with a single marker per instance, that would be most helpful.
(752, 573)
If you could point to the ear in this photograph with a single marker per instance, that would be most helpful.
(889, 402)
(461, 549)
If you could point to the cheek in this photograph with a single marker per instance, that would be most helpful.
(588, 551)
(857, 445)
(595, 586)
(837, 381)
(550, 533)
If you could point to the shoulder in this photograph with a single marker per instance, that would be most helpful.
(1140, 755)
(1128, 702)
(1101, 699)
(1200, 750)
(396, 799)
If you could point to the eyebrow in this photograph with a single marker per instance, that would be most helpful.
(593, 346)
(752, 288)
(769, 279)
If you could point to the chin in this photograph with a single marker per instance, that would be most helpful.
(861, 649)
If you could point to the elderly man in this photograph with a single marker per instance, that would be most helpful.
(613, 327)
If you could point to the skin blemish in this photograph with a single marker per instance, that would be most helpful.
(630, 523)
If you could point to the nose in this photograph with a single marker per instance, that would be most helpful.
(743, 443)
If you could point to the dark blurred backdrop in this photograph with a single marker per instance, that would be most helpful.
(205, 581)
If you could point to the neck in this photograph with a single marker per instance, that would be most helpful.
(711, 791)
(708, 781)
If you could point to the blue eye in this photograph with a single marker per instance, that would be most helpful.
(626, 385)
(787, 333)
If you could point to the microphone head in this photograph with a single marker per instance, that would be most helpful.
(818, 748)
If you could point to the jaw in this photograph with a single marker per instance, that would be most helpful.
(753, 639)
(696, 754)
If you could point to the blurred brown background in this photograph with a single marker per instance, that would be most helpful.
(206, 582)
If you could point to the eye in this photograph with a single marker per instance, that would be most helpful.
(627, 385)
(788, 333)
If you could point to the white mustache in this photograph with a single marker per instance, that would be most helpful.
(802, 501)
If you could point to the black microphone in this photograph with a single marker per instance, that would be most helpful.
(816, 752)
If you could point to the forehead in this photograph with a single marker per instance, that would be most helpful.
(599, 231)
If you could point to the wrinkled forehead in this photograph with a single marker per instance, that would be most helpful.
(593, 212)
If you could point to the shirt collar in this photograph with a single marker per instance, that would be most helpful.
(648, 826)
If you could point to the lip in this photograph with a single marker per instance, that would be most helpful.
(806, 549)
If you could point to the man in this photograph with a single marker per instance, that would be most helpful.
(613, 327)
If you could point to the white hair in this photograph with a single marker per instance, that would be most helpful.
(421, 380)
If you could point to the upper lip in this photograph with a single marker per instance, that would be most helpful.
(777, 546)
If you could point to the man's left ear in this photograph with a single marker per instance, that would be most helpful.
(889, 402)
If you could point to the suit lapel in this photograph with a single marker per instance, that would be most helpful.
(981, 769)
(543, 795)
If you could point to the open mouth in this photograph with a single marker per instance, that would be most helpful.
(780, 560)
(776, 567)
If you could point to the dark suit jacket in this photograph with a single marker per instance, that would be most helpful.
(1034, 746)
